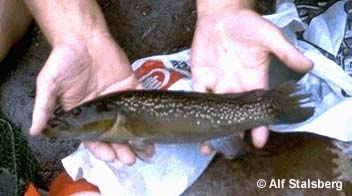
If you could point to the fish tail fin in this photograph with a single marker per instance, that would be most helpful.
(292, 103)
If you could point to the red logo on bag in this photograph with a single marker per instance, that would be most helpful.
(154, 75)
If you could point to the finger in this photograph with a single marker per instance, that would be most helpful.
(130, 82)
(242, 134)
(43, 106)
(289, 55)
(124, 154)
(140, 86)
(205, 149)
(101, 150)
(260, 136)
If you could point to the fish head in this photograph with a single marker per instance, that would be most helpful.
(85, 122)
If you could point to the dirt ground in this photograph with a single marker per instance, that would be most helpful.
(144, 28)
(286, 156)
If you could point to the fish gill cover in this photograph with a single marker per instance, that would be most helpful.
(17, 165)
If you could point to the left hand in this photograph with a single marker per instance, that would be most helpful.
(231, 53)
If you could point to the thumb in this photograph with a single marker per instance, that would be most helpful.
(44, 104)
(289, 55)
(131, 82)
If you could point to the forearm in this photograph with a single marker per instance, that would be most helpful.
(208, 6)
(14, 20)
(65, 21)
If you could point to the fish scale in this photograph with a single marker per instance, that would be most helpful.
(166, 105)
(153, 116)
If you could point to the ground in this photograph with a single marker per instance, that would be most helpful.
(144, 28)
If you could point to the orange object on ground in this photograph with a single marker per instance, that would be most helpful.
(31, 191)
(63, 185)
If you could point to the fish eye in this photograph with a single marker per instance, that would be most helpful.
(76, 111)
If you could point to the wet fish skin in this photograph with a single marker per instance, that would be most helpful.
(177, 117)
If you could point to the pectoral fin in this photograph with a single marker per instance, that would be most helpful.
(143, 149)
(118, 132)
(231, 147)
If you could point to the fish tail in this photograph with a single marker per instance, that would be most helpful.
(292, 103)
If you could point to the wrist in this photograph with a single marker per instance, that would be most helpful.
(207, 7)
(92, 42)
(86, 38)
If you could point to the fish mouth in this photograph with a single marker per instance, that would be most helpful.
(64, 134)
(58, 128)
(57, 133)
(55, 126)
(58, 123)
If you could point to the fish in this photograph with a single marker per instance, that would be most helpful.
(140, 118)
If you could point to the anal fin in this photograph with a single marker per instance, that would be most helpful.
(231, 147)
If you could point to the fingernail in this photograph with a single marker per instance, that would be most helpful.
(207, 150)
(128, 160)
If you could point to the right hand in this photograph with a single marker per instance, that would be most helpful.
(79, 71)
(232, 47)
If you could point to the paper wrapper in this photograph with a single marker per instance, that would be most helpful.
(176, 167)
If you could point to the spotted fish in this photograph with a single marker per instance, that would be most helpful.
(143, 117)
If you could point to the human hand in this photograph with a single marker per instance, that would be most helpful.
(85, 62)
(231, 53)
(78, 71)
